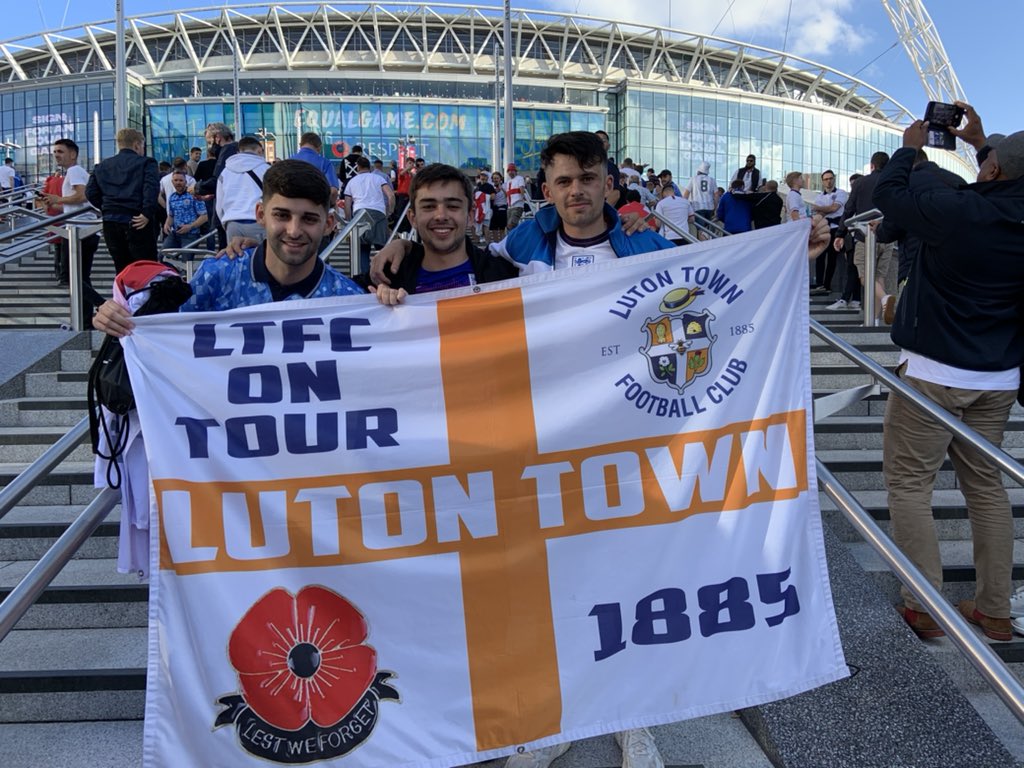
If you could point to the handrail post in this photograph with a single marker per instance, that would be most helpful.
(354, 257)
(75, 275)
(869, 277)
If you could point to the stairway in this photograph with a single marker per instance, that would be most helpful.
(72, 674)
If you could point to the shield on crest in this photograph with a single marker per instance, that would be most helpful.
(678, 347)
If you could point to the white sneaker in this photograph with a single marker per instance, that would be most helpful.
(639, 749)
(1018, 625)
(841, 304)
(538, 758)
(1017, 603)
(854, 305)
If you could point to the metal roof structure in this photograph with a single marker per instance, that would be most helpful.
(439, 39)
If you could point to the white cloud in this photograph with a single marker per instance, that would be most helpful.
(815, 30)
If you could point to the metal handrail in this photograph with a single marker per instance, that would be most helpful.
(29, 589)
(21, 191)
(49, 221)
(15, 490)
(708, 226)
(398, 222)
(1003, 460)
(349, 231)
(675, 228)
(978, 652)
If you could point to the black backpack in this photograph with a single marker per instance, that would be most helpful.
(110, 386)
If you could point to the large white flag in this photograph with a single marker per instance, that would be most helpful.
(431, 534)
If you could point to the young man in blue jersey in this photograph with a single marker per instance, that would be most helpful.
(295, 211)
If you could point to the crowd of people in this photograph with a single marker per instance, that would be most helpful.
(957, 321)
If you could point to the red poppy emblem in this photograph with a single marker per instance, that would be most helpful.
(301, 657)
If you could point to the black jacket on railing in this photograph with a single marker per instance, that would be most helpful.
(964, 297)
(124, 186)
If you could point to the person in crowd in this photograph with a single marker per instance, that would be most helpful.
(125, 188)
(221, 140)
(402, 184)
(240, 188)
(185, 215)
(72, 198)
(482, 195)
(166, 181)
(638, 185)
(499, 207)
(701, 191)
(628, 169)
(677, 211)
(665, 180)
(959, 327)
(195, 156)
(617, 194)
(850, 296)
(734, 209)
(443, 257)
(368, 191)
(767, 205)
(796, 208)
(7, 174)
(347, 166)
(749, 175)
(311, 150)
(515, 194)
(859, 201)
(378, 169)
(906, 252)
(830, 203)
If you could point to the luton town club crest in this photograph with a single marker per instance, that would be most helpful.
(310, 686)
(679, 342)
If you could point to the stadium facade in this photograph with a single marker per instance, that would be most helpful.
(418, 79)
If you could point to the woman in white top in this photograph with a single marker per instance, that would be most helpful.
(796, 208)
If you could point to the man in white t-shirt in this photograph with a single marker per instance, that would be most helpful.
(368, 191)
(628, 169)
(676, 210)
(7, 174)
(515, 190)
(701, 191)
(72, 198)
(830, 203)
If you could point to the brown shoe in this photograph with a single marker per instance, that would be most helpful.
(888, 309)
(924, 626)
(995, 629)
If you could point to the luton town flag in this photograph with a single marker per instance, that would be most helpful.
(502, 518)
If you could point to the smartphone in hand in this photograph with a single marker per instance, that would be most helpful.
(940, 118)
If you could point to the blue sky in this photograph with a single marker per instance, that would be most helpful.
(853, 36)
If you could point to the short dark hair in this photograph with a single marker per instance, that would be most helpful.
(9, 160)
(436, 173)
(68, 143)
(828, 170)
(751, 157)
(362, 162)
(632, 196)
(195, 149)
(584, 146)
(665, 172)
(736, 184)
(177, 172)
(357, 148)
(312, 139)
(249, 143)
(297, 179)
(879, 159)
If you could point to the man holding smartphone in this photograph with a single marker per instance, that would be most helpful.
(958, 324)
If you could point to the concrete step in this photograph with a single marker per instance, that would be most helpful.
(67, 745)
(86, 594)
(81, 674)
(70, 483)
(27, 532)
(949, 510)
(43, 411)
(26, 444)
(854, 432)
(58, 384)
(958, 574)
(862, 469)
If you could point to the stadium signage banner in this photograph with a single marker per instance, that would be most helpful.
(436, 533)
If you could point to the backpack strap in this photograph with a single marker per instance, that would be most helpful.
(257, 179)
